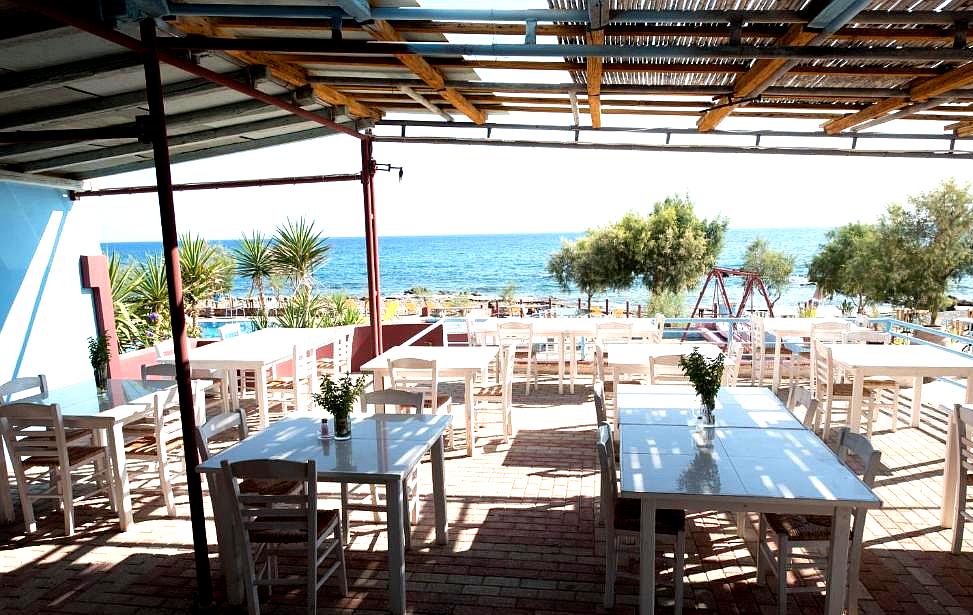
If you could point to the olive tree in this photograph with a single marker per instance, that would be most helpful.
(773, 266)
(846, 264)
(591, 264)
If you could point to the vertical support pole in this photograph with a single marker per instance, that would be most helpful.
(371, 244)
(170, 249)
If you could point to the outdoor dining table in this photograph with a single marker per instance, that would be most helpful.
(781, 328)
(83, 406)
(568, 329)
(451, 361)
(639, 358)
(383, 450)
(917, 361)
(668, 462)
(258, 352)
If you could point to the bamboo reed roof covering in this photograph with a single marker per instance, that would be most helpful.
(844, 67)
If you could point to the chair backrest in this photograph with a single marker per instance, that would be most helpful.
(305, 363)
(159, 371)
(521, 334)
(506, 375)
(394, 397)
(341, 352)
(598, 390)
(415, 375)
(273, 513)
(804, 398)
(758, 336)
(830, 331)
(166, 417)
(869, 337)
(609, 482)
(45, 426)
(822, 370)
(218, 425)
(30, 386)
(599, 362)
(229, 330)
(869, 458)
(164, 349)
(731, 364)
(610, 331)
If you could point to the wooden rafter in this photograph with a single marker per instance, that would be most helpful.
(593, 73)
(286, 72)
(433, 77)
(751, 83)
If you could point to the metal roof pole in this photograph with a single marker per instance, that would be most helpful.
(371, 243)
(170, 249)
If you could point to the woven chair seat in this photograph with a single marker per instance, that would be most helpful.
(326, 521)
(70, 435)
(847, 389)
(493, 390)
(146, 446)
(628, 517)
(76, 456)
(800, 527)
(256, 486)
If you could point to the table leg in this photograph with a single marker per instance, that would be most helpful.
(560, 364)
(838, 562)
(615, 381)
(123, 498)
(647, 558)
(778, 340)
(947, 512)
(574, 361)
(439, 492)
(262, 404)
(855, 408)
(234, 382)
(396, 533)
(6, 500)
(470, 422)
(917, 400)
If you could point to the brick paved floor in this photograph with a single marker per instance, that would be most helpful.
(522, 540)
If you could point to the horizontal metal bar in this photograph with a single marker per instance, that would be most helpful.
(310, 45)
(553, 15)
(712, 149)
(74, 135)
(40, 180)
(675, 131)
(237, 183)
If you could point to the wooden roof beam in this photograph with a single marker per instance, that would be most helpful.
(433, 77)
(593, 75)
(281, 70)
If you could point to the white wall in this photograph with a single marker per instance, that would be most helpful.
(46, 316)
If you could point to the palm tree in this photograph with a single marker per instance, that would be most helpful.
(298, 252)
(204, 271)
(125, 278)
(152, 292)
(254, 262)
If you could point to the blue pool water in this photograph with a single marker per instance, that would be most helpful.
(211, 328)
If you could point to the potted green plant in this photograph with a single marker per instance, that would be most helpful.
(98, 355)
(338, 397)
(705, 376)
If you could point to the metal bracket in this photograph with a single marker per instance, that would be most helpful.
(577, 135)
(531, 38)
(757, 141)
(489, 131)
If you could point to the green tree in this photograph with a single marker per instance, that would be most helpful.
(125, 278)
(845, 264)
(775, 267)
(255, 263)
(591, 264)
(205, 269)
(667, 303)
(923, 246)
(298, 251)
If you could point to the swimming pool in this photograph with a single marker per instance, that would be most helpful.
(210, 329)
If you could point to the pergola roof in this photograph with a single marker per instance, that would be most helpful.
(841, 65)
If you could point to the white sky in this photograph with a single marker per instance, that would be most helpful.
(478, 189)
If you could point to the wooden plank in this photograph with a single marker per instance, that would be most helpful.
(431, 75)
(876, 110)
(286, 72)
(956, 78)
(593, 74)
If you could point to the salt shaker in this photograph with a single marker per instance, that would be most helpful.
(325, 434)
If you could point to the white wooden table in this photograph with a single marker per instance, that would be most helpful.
(452, 361)
(638, 358)
(953, 466)
(739, 469)
(780, 328)
(383, 450)
(566, 330)
(82, 406)
(259, 352)
(899, 361)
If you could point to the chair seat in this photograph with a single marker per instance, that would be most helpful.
(76, 456)
(800, 527)
(326, 521)
(493, 390)
(628, 517)
(256, 486)
(145, 445)
(847, 389)
(70, 435)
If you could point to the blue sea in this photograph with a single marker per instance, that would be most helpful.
(485, 264)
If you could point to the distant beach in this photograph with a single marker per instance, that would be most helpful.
(485, 264)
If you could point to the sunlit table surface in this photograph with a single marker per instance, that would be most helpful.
(749, 407)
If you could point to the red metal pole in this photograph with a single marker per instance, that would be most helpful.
(170, 250)
(371, 244)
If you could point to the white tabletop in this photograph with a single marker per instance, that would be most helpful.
(446, 357)
(264, 346)
(642, 354)
(744, 407)
(754, 467)
(382, 446)
(898, 357)
(801, 327)
(567, 325)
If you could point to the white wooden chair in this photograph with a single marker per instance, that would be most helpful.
(35, 437)
(758, 350)
(339, 363)
(828, 389)
(963, 441)
(164, 356)
(25, 386)
(813, 532)
(798, 360)
(622, 517)
(805, 399)
(497, 397)
(883, 385)
(422, 376)
(267, 526)
(295, 391)
(229, 330)
(521, 336)
(167, 371)
(731, 364)
(609, 332)
(155, 440)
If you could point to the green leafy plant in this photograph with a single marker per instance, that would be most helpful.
(340, 309)
(338, 396)
(254, 262)
(125, 278)
(773, 266)
(98, 353)
(305, 310)
(298, 251)
(704, 374)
